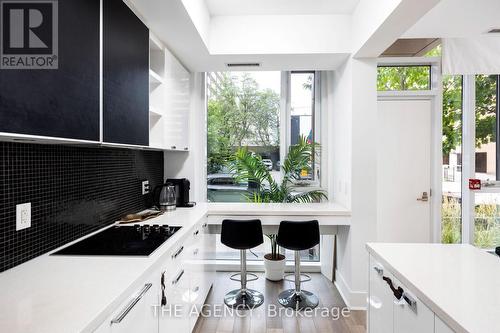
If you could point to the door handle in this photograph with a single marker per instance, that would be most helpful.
(424, 198)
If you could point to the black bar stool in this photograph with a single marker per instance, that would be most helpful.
(298, 236)
(242, 235)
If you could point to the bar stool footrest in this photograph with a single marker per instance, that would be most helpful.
(253, 277)
(287, 277)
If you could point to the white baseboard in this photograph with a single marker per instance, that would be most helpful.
(355, 300)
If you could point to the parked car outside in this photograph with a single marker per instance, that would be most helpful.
(224, 187)
(268, 163)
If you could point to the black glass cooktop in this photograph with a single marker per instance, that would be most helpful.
(135, 240)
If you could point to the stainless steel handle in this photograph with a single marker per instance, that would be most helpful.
(424, 198)
(196, 233)
(179, 251)
(131, 305)
(185, 148)
(195, 252)
(204, 225)
(173, 147)
(379, 270)
(410, 300)
(176, 280)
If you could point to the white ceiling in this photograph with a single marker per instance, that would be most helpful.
(280, 7)
(457, 19)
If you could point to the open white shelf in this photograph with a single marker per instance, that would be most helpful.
(154, 112)
(169, 99)
(155, 78)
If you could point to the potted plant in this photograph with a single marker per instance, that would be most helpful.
(274, 262)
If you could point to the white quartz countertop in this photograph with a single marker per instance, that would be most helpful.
(460, 283)
(55, 294)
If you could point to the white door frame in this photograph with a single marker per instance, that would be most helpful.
(435, 95)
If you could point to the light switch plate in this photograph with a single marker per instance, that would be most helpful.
(145, 187)
(23, 216)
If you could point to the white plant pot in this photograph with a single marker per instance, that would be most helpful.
(275, 269)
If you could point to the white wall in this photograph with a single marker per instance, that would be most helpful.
(355, 164)
(280, 34)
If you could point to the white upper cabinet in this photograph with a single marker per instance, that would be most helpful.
(169, 85)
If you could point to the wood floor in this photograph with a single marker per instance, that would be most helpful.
(262, 320)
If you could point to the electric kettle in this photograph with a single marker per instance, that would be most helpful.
(164, 197)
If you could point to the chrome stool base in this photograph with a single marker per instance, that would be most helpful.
(298, 301)
(250, 299)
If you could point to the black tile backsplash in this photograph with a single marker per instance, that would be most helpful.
(73, 191)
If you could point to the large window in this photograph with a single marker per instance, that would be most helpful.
(246, 109)
(243, 111)
(487, 202)
(483, 216)
(451, 209)
(302, 116)
(400, 78)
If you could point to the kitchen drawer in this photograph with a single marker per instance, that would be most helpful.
(410, 314)
(380, 300)
(135, 314)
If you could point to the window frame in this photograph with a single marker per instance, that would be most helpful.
(286, 118)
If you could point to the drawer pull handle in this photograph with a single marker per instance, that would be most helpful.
(398, 292)
(176, 280)
(173, 147)
(196, 233)
(379, 270)
(131, 305)
(204, 225)
(410, 300)
(179, 251)
(195, 252)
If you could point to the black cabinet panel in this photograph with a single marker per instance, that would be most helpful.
(126, 76)
(61, 102)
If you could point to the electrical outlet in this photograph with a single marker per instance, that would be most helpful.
(145, 187)
(23, 216)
